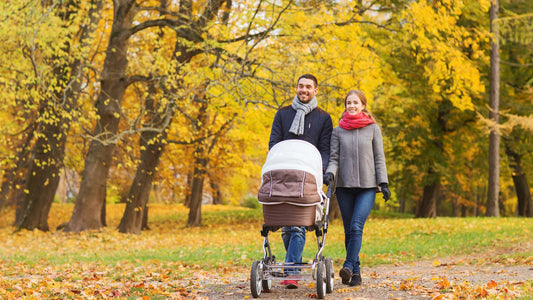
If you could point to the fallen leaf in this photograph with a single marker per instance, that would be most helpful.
(492, 284)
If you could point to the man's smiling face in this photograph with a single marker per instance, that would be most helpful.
(306, 90)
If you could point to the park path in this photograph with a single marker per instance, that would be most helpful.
(475, 276)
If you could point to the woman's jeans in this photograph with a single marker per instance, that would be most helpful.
(294, 242)
(355, 205)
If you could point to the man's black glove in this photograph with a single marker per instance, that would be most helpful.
(328, 178)
(385, 190)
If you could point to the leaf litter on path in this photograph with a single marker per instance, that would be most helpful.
(481, 276)
(473, 277)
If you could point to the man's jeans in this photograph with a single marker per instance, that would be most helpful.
(355, 205)
(294, 242)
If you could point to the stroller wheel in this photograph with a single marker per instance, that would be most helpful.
(255, 279)
(321, 280)
(329, 275)
(267, 285)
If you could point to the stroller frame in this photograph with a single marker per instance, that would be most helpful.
(268, 269)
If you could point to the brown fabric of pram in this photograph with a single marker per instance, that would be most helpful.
(289, 186)
(289, 198)
(289, 215)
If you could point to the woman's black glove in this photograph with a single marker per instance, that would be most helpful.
(385, 190)
(328, 178)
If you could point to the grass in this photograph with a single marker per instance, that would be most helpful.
(231, 236)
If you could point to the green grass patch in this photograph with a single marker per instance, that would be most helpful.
(230, 236)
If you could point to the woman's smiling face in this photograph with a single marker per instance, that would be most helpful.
(354, 104)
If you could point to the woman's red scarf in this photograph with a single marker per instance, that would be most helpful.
(359, 120)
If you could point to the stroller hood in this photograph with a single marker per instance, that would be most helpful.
(295, 155)
(291, 185)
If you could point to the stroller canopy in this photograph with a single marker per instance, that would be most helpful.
(296, 155)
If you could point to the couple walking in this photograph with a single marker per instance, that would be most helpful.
(352, 156)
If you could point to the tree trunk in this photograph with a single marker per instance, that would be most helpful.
(18, 199)
(493, 209)
(132, 220)
(103, 213)
(43, 177)
(91, 197)
(464, 211)
(188, 191)
(200, 164)
(144, 225)
(195, 211)
(480, 196)
(402, 199)
(428, 207)
(7, 184)
(456, 207)
(137, 199)
(524, 205)
(217, 193)
(11, 176)
(89, 203)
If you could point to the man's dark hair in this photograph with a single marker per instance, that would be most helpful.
(309, 76)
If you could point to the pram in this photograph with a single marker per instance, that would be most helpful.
(291, 195)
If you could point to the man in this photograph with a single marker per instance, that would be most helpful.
(302, 120)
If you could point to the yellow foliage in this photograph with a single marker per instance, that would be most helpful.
(438, 49)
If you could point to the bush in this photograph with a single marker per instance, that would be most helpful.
(251, 202)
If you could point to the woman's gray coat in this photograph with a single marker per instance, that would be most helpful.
(356, 157)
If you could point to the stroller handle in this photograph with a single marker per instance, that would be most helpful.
(329, 191)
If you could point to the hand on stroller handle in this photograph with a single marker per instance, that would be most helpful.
(328, 178)
(329, 191)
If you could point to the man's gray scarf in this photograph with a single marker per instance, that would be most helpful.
(302, 109)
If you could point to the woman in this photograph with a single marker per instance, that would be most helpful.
(358, 159)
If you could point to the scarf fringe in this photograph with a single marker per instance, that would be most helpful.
(302, 109)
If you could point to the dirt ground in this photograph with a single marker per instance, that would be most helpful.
(475, 276)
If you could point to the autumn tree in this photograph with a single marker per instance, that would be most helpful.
(56, 112)
(22, 92)
(151, 144)
(113, 82)
(494, 142)
(156, 115)
(435, 81)
(54, 77)
(516, 41)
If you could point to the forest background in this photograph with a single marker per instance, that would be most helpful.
(144, 102)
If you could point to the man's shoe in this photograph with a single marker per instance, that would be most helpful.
(356, 280)
(346, 275)
(292, 284)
